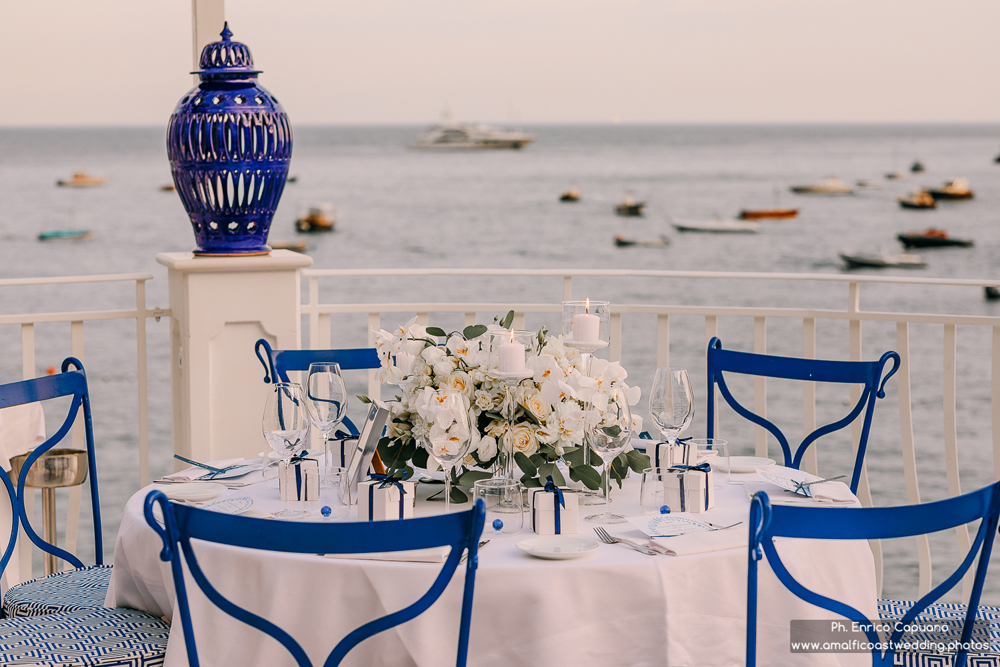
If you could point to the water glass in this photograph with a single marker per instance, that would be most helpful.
(651, 491)
(504, 504)
(608, 438)
(286, 427)
(715, 452)
(671, 402)
(448, 440)
(334, 500)
(326, 397)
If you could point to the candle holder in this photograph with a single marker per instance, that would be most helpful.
(505, 364)
(596, 335)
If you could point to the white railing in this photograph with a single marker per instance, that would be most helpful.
(75, 319)
(320, 327)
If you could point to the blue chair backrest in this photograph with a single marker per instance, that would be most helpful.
(182, 523)
(67, 383)
(768, 521)
(867, 373)
(277, 363)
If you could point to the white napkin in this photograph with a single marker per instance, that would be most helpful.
(194, 472)
(431, 555)
(699, 543)
(827, 493)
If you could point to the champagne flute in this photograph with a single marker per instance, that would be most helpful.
(608, 436)
(326, 396)
(286, 427)
(671, 403)
(450, 435)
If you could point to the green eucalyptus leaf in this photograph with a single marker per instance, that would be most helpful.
(473, 331)
(637, 461)
(507, 320)
(619, 468)
(495, 417)
(531, 417)
(420, 458)
(574, 456)
(547, 470)
(436, 331)
(586, 474)
(612, 431)
(458, 495)
(363, 398)
(525, 464)
(531, 482)
(470, 477)
(557, 477)
(537, 459)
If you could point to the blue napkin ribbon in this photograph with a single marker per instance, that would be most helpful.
(386, 480)
(295, 461)
(559, 499)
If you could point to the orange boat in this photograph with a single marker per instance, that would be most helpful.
(769, 214)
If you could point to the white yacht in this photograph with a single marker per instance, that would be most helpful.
(461, 135)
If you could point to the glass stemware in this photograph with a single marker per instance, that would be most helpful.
(449, 436)
(326, 396)
(608, 436)
(504, 504)
(671, 402)
(286, 427)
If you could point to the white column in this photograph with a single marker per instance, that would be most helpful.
(219, 307)
(207, 17)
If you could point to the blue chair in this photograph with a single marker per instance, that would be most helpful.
(182, 523)
(867, 373)
(769, 521)
(83, 587)
(86, 637)
(277, 364)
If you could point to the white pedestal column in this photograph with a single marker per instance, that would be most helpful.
(220, 306)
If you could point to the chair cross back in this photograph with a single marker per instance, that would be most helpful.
(181, 523)
(66, 383)
(768, 521)
(867, 373)
(277, 363)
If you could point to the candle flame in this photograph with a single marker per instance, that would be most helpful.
(511, 335)
(587, 306)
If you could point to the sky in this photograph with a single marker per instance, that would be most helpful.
(127, 62)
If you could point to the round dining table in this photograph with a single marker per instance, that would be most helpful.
(614, 606)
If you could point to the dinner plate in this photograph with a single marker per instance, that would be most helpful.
(746, 463)
(557, 547)
(194, 492)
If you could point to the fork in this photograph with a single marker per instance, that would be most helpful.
(606, 537)
(466, 554)
(714, 527)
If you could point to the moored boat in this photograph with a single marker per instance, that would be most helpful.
(882, 260)
(319, 218)
(918, 199)
(769, 214)
(169, 187)
(629, 207)
(828, 186)
(570, 195)
(957, 188)
(65, 234)
(622, 242)
(297, 246)
(716, 226)
(896, 175)
(931, 238)
(82, 180)
(451, 135)
(917, 167)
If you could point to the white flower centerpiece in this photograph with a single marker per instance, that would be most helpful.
(552, 408)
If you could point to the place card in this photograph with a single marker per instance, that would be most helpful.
(668, 525)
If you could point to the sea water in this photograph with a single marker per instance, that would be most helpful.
(400, 207)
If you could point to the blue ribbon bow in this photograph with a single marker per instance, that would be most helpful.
(656, 449)
(550, 487)
(295, 461)
(682, 469)
(386, 480)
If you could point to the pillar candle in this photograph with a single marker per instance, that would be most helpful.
(512, 357)
(586, 328)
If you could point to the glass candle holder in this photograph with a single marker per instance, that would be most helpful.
(509, 352)
(587, 323)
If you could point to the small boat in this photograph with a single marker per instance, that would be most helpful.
(297, 246)
(867, 185)
(716, 226)
(992, 293)
(769, 214)
(170, 187)
(896, 175)
(82, 180)
(292, 179)
(954, 189)
(65, 234)
(882, 260)
(931, 238)
(918, 199)
(570, 195)
(451, 135)
(623, 242)
(628, 207)
(917, 167)
(319, 218)
(828, 186)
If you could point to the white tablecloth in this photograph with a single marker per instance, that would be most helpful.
(615, 607)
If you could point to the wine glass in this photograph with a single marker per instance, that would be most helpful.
(326, 396)
(286, 427)
(449, 436)
(671, 403)
(608, 436)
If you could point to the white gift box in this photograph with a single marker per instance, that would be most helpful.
(295, 484)
(665, 455)
(543, 512)
(689, 490)
(382, 503)
(341, 451)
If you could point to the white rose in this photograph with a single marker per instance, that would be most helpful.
(483, 400)
(487, 448)
(534, 404)
(548, 433)
(432, 354)
(460, 382)
(445, 366)
(523, 438)
(496, 428)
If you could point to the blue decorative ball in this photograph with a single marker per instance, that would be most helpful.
(497, 525)
(326, 511)
(664, 509)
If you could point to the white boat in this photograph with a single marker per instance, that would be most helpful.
(450, 135)
(716, 226)
(882, 260)
(828, 186)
